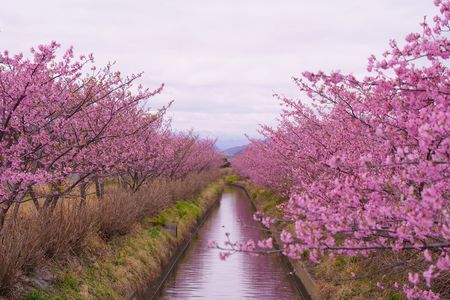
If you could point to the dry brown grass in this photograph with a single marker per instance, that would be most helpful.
(34, 238)
(116, 213)
(25, 244)
(336, 282)
(19, 251)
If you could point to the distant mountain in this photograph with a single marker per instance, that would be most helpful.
(230, 152)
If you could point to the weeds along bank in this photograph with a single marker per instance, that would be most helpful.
(110, 249)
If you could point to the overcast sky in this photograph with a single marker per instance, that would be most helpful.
(221, 61)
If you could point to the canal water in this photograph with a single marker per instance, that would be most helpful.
(200, 274)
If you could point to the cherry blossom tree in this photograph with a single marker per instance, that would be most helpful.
(366, 165)
(64, 124)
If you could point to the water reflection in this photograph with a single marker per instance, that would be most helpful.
(202, 275)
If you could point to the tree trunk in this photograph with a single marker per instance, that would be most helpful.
(123, 182)
(99, 188)
(34, 198)
(3, 213)
(50, 203)
(83, 189)
(16, 209)
(52, 199)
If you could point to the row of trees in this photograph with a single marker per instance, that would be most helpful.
(64, 124)
(365, 163)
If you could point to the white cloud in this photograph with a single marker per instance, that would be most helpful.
(221, 60)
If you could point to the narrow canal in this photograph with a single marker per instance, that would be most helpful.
(200, 274)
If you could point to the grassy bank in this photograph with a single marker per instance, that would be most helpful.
(334, 278)
(116, 247)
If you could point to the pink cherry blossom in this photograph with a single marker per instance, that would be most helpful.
(65, 123)
(367, 159)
